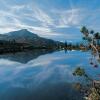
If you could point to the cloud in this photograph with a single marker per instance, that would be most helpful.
(42, 16)
(45, 21)
(37, 20)
(69, 18)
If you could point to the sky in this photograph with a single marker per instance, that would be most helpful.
(55, 19)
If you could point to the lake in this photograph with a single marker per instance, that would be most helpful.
(43, 75)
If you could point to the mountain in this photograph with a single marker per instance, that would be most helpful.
(20, 36)
(29, 38)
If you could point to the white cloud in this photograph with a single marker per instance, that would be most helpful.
(37, 20)
(44, 22)
(42, 16)
(68, 18)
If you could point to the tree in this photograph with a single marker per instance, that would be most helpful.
(89, 37)
(92, 31)
(66, 44)
(97, 35)
(85, 31)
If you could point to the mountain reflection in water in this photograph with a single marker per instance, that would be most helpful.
(25, 56)
(29, 76)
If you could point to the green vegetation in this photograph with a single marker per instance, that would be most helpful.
(92, 92)
(93, 38)
(79, 72)
(94, 95)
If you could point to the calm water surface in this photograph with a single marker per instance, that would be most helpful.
(43, 75)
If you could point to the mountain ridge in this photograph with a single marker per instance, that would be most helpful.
(25, 36)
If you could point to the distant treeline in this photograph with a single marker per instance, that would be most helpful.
(77, 46)
(13, 46)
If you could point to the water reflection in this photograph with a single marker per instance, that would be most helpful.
(47, 77)
(26, 56)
